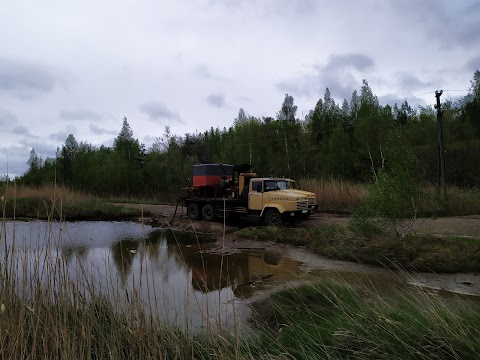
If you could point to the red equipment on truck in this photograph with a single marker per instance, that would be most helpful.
(216, 192)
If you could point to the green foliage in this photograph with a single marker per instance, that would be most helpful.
(331, 320)
(395, 194)
(418, 252)
(329, 141)
(364, 225)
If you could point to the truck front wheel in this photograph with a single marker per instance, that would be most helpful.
(273, 218)
(208, 212)
(193, 211)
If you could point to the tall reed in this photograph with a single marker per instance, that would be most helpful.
(335, 195)
(49, 309)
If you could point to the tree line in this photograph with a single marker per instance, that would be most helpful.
(344, 141)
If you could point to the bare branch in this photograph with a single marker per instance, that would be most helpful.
(373, 164)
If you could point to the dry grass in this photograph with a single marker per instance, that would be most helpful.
(463, 201)
(158, 198)
(334, 194)
(47, 191)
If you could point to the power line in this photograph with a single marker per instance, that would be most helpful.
(409, 97)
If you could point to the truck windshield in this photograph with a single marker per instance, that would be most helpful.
(272, 185)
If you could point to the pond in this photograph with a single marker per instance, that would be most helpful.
(170, 274)
(177, 278)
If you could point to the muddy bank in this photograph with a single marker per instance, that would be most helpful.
(467, 283)
(163, 215)
(456, 226)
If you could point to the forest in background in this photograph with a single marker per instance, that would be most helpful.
(345, 141)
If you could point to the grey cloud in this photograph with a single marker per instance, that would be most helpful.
(359, 62)
(217, 100)
(473, 8)
(337, 75)
(100, 131)
(389, 99)
(203, 71)
(79, 114)
(468, 29)
(469, 34)
(281, 8)
(409, 82)
(6, 117)
(392, 99)
(24, 80)
(41, 147)
(21, 130)
(59, 136)
(156, 110)
(415, 102)
(150, 139)
(473, 64)
(451, 24)
(17, 157)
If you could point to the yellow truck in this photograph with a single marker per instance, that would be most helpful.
(216, 193)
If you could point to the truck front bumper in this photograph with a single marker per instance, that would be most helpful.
(301, 213)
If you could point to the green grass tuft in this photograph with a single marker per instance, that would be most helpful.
(330, 320)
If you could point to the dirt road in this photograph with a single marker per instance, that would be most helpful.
(458, 225)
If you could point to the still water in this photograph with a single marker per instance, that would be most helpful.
(181, 279)
(170, 275)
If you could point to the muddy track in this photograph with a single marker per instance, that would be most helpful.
(457, 225)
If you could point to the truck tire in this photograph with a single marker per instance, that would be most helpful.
(193, 211)
(273, 218)
(208, 212)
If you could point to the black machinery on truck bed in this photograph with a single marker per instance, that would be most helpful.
(216, 191)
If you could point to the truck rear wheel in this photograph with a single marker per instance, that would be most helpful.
(273, 218)
(208, 212)
(193, 211)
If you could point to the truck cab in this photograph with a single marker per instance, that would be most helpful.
(274, 202)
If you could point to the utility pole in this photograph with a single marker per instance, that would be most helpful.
(286, 150)
(442, 184)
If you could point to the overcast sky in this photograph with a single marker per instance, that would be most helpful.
(80, 66)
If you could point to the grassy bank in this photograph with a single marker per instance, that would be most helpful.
(52, 202)
(332, 321)
(419, 252)
(324, 320)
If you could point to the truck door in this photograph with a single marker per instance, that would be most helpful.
(255, 195)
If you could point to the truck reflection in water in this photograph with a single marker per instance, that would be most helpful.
(242, 271)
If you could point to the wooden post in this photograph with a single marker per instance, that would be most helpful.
(442, 183)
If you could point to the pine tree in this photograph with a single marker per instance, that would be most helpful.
(288, 111)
